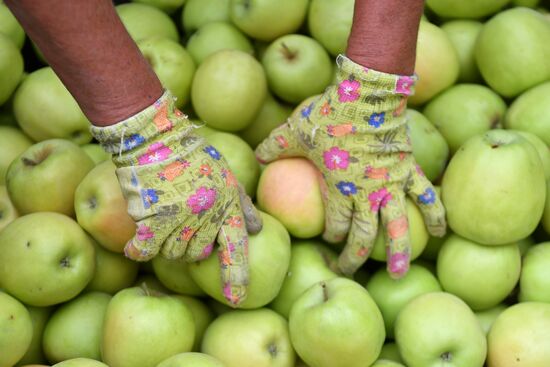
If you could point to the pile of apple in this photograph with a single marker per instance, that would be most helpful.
(480, 129)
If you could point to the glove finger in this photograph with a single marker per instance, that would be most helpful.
(177, 242)
(280, 143)
(338, 216)
(252, 217)
(421, 190)
(146, 243)
(200, 246)
(393, 214)
(360, 240)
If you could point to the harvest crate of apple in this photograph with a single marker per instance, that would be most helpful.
(479, 124)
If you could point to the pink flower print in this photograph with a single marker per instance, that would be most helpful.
(336, 158)
(404, 85)
(144, 233)
(419, 170)
(398, 263)
(206, 251)
(281, 140)
(201, 200)
(348, 90)
(228, 294)
(156, 152)
(378, 199)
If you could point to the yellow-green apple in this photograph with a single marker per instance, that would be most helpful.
(216, 36)
(429, 147)
(80, 362)
(15, 330)
(487, 317)
(203, 130)
(258, 338)
(167, 6)
(143, 327)
(39, 318)
(289, 189)
(143, 21)
(485, 110)
(74, 329)
(390, 351)
(10, 27)
(44, 177)
(493, 271)
(11, 67)
(531, 112)
(542, 149)
(268, 260)
(228, 90)
(546, 214)
(46, 259)
(507, 71)
(113, 271)
(329, 22)
(417, 231)
(101, 208)
(173, 65)
(436, 65)
(202, 316)
(392, 295)
(174, 275)
(272, 114)
(465, 9)
(191, 359)
(498, 199)
(7, 211)
(96, 152)
(267, 19)
(520, 336)
(463, 35)
(12, 143)
(240, 158)
(534, 284)
(336, 323)
(52, 113)
(197, 13)
(437, 329)
(310, 263)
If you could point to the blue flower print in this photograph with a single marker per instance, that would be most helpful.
(306, 111)
(377, 119)
(347, 188)
(149, 197)
(133, 141)
(212, 152)
(428, 197)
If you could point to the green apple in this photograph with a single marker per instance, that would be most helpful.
(10, 27)
(289, 189)
(144, 21)
(520, 336)
(197, 13)
(102, 210)
(392, 295)
(437, 64)
(45, 177)
(96, 152)
(240, 158)
(439, 329)
(429, 147)
(173, 65)
(80, 362)
(228, 90)
(463, 35)
(546, 214)
(417, 230)
(530, 112)
(267, 19)
(485, 110)
(310, 263)
(191, 359)
(257, 338)
(386, 363)
(39, 318)
(465, 9)
(143, 327)
(494, 188)
(329, 22)
(113, 271)
(493, 271)
(202, 316)
(216, 36)
(487, 317)
(204, 130)
(534, 283)
(74, 329)
(390, 351)
(175, 275)
(272, 114)
(268, 259)
(507, 69)
(45, 109)
(15, 330)
(11, 67)
(542, 149)
(297, 67)
(336, 323)
(150, 281)
(8, 213)
(167, 6)
(46, 259)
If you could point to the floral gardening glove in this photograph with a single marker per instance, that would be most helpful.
(356, 134)
(181, 193)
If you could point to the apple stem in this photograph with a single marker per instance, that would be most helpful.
(447, 356)
(145, 289)
(287, 52)
(325, 291)
(28, 162)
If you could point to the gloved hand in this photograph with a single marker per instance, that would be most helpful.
(181, 193)
(356, 134)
